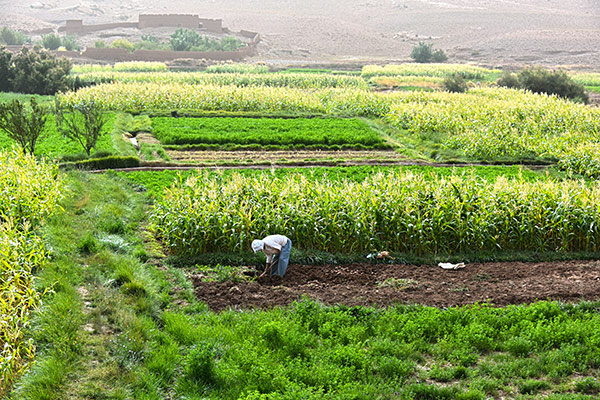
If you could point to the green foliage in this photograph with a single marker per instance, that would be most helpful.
(29, 192)
(24, 127)
(439, 56)
(587, 385)
(100, 44)
(122, 44)
(266, 131)
(69, 42)
(82, 123)
(189, 40)
(13, 38)
(35, 71)
(509, 80)
(539, 80)
(228, 68)
(109, 162)
(424, 53)
(51, 41)
(455, 83)
(6, 70)
(401, 212)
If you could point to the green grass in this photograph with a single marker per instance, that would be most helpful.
(54, 145)
(266, 131)
(6, 97)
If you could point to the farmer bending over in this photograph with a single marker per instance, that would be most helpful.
(277, 249)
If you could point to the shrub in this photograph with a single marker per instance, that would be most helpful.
(51, 41)
(455, 83)
(110, 162)
(422, 52)
(184, 39)
(100, 44)
(509, 80)
(122, 44)
(539, 80)
(439, 56)
(70, 43)
(13, 38)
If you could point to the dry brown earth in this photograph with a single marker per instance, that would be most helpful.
(385, 285)
(493, 32)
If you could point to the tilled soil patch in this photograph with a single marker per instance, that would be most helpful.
(383, 285)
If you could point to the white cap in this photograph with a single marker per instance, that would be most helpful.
(258, 245)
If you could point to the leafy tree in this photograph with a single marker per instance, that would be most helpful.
(230, 43)
(6, 71)
(13, 38)
(39, 72)
(23, 127)
(455, 83)
(51, 41)
(81, 123)
(539, 80)
(422, 52)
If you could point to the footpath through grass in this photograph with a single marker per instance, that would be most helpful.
(121, 324)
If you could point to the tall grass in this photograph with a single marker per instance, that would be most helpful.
(399, 211)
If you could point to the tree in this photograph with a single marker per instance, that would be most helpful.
(508, 80)
(14, 38)
(51, 41)
(6, 71)
(39, 72)
(422, 52)
(81, 123)
(23, 127)
(439, 56)
(185, 40)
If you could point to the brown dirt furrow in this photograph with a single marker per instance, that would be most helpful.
(500, 284)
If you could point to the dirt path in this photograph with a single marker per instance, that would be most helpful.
(383, 285)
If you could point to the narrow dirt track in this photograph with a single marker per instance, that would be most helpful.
(371, 285)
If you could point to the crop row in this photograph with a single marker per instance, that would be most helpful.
(432, 70)
(29, 192)
(402, 212)
(293, 80)
(130, 66)
(265, 131)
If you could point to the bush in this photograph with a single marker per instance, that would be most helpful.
(189, 40)
(13, 38)
(51, 41)
(70, 43)
(439, 56)
(539, 80)
(509, 80)
(100, 44)
(455, 83)
(6, 70)
(110, 162)
(422, 52)
(122, 44)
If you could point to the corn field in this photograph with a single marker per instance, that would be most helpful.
(431, 70)
(130, 66)
(399, 211)
(292, 80)
(29, 191)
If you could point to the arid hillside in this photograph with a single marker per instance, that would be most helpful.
(499, 32)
